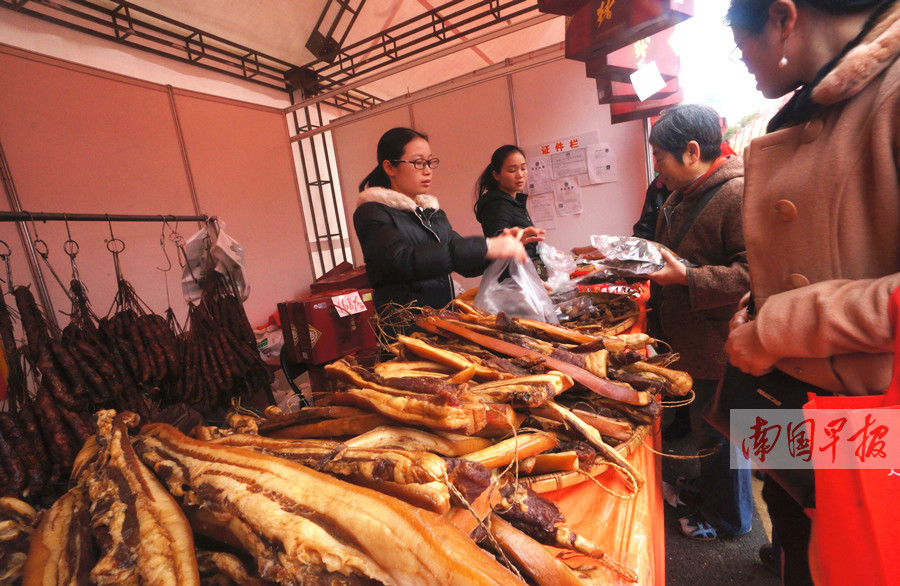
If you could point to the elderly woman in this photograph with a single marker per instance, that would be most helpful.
(821, 210)
(701, 222)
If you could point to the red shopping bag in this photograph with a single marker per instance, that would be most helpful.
(856, 523)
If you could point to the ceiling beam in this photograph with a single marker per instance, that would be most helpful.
(358, 82)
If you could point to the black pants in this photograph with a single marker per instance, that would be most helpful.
(793, 528)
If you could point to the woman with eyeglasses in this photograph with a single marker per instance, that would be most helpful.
(501, 201)
(408, 244)
(821, 213)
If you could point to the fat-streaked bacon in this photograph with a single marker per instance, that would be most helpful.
(295, 520)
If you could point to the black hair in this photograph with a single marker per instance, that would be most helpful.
(686, 122)
(487, 182)
(751, 15)
(390, 148)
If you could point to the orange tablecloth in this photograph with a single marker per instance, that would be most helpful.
(630, 531)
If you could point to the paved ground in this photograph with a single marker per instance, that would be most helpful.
(710, 563)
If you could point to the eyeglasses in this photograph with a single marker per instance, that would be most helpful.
(736, 56)
(420, 164)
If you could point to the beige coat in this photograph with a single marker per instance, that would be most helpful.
(822, 224)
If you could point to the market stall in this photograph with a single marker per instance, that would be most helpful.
(138, 140)
(602, 529)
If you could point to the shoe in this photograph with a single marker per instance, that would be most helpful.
(684, 492)
(767, 557)
(696, 527)
(679, 428)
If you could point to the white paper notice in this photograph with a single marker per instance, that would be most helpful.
(539, 175)
(647, 80)
(601, 163)
(568, 196)
(542, 210)
(569, 163)
(348, 304)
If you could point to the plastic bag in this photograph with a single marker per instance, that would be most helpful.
(515, 289)
(855, 521)
(227, 253)
(629, 256)
(559, 266)
(269, 342)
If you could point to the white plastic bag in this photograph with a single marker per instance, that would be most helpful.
(560, 265)
(227, 253)
(514, 288)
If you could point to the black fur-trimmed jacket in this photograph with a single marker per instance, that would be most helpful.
(410, 249)
(497, 210)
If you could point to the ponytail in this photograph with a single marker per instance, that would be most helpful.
(377, 178)
(390, 148)
(485, 183)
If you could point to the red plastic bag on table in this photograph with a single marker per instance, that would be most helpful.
(856, 522)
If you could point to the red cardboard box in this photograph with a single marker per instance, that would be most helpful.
(315, 333)
(343, 276)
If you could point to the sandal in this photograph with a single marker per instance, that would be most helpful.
(697, 527)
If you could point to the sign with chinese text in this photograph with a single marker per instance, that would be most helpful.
(620, 64)
(603, 26)
(821, 439)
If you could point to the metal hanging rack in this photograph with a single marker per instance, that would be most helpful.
(25, 217)
(50, 217)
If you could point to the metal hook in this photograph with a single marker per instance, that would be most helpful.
(113, 245)
(43, 250)
(38, 243)
(5, 257)
(162, 243)
(179, 242)
(71, 248)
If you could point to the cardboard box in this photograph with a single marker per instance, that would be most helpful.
(315, 333)
(343, 276)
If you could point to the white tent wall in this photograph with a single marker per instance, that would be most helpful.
(540, 104)
(354, 146)
(80, 140)
(33, 34)
(530, 106)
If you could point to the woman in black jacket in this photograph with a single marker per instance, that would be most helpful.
(501, 201)
(408, 245)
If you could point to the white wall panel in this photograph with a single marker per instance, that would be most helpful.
(355, 145)
(556, 101)
(549, 102)
(465, 127)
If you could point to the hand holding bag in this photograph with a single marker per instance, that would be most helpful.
(856, 522)
(514, 288)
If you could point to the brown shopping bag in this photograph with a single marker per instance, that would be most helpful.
(856, 522)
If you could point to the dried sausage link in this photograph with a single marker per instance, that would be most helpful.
(167, 341)
(91, 354)
(32, 432)
(34, 478)
(58, 440)
(52, 380)
(15, 470)
(70, 368)
(79, 424)
(33, 322)
(150, 337)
